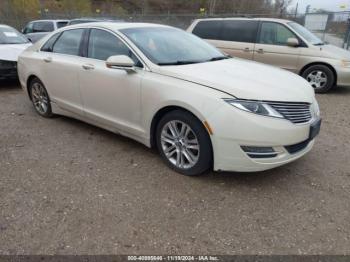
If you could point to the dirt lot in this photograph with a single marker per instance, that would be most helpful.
(70, 188)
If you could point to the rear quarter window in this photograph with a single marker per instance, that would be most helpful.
(208, 29)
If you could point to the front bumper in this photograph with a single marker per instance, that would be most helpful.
(8, 70)
(233, 129)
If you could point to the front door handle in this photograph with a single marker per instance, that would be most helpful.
(88, 67)
(260, 51)
(246, 49)
(48, 59)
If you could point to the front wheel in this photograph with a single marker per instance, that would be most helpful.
(320, 77)
(184, 143)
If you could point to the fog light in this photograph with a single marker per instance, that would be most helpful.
(259, 152)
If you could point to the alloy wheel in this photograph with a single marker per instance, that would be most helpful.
(318, 79)
(180, 144)
(40, 98)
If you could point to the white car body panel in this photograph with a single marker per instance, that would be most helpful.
(127, 103)
(11, 52)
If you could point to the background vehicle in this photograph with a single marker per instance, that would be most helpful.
(36, 30)
(85, 20)
(12, 43)
(280, 43)
(167, 88)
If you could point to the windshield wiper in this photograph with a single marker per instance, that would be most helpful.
(320, 43)
(179, 63)
(218, 58)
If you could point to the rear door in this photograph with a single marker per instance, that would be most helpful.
(234, 37)
(271, 47)
(238, 38)
(61, 64)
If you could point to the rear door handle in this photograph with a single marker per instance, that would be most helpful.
(48, 59)
(260, 51)
(88, 67)
(246, 49)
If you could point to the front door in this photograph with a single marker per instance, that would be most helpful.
(271, 47)
(110, 96)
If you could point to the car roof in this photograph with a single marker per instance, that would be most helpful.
(114, 26)
(283, 21)
(50, 20)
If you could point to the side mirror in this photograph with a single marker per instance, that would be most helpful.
(293, 42)
(122, 62)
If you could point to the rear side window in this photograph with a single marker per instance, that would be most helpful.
(61, 24)
(69, 42)
(208, 29)
(40, 27)
(239, 31)
(47, 47)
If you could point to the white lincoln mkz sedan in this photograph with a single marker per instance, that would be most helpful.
(169, 89)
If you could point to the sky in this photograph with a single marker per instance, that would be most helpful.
(332, 5)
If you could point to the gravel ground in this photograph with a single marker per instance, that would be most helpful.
(67, 187)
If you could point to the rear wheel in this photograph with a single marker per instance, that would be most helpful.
(183, 143)
(40, 98)
(321, 78)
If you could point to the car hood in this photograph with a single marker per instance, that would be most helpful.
(245, 79)
(11, 52)
(332, 51)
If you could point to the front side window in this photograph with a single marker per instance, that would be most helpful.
(69, 42)
(9, 35)
(42, 27)
(239, 31)
(208, 29)
(274, 34)
(170, 46)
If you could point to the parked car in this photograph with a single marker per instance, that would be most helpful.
(281, 43)
(36, 30)
(85, 20)
(12, 43)
(169, 89)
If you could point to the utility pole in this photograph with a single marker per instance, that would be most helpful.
(296, 10)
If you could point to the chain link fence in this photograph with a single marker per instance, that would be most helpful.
(332, 27)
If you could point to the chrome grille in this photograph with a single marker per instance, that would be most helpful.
(295, 112)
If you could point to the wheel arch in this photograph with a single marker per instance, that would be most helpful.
(320, 63)
(30, 78)
(163, 111)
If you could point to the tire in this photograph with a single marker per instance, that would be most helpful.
(40, 98)
(193, 144)
(321, 78)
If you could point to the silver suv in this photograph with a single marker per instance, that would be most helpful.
(36, 30)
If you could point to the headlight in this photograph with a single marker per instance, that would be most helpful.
(255, 107)
(345, 63)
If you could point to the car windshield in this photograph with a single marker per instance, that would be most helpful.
(9, 35)
(306, 34)
(171, 46)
